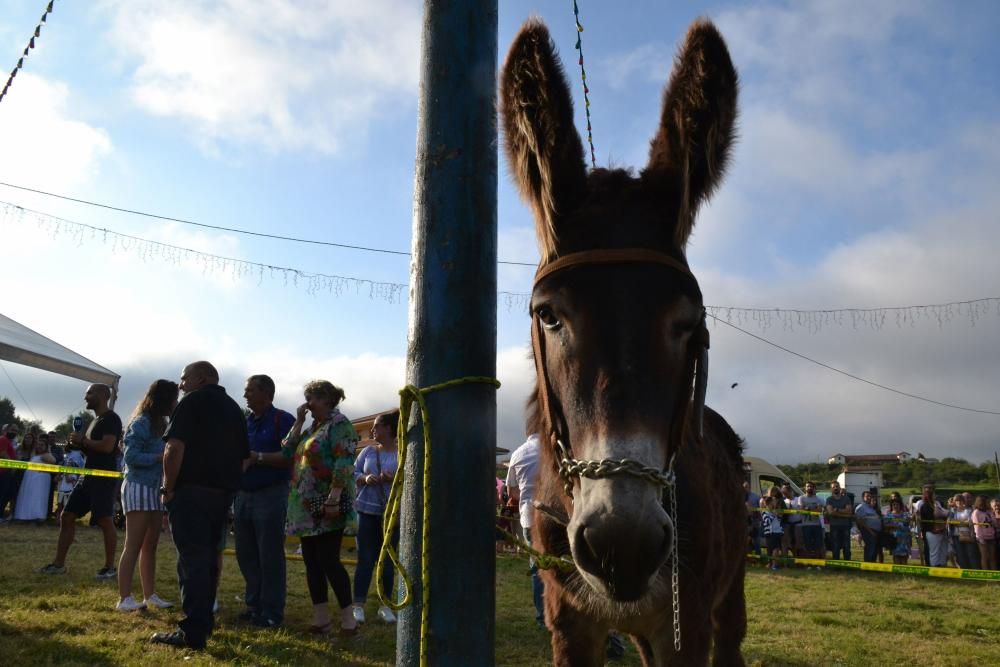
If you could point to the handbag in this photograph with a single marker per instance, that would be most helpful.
(317, 505)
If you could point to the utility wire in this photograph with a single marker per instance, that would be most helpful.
(26, 404)
(853, 377)
(228, 229)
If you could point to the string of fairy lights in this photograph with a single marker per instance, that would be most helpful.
(764, 319)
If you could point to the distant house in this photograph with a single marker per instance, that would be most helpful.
(868, 459)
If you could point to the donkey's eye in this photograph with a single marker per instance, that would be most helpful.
(681, 328)
(548, 317)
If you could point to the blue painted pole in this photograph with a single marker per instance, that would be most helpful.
(452, 334)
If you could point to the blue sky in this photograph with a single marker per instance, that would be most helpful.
(865, 176)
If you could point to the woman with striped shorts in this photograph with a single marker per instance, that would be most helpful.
(141, 496)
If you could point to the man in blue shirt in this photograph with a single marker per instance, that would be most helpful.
(261, 504)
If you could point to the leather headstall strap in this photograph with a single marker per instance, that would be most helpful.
(612, 256)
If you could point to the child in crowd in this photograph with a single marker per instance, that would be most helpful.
(773, 532)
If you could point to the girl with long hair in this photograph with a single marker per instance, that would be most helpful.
(140, 494)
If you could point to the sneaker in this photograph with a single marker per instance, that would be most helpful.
(261, 622)
(107, 573)
(248, 615)
(129, 604)
(359, 613)
(177, 639)
(155, 600)
(215, 606)
(386, 615)
(52, 568)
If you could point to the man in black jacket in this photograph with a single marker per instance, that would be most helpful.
(202, 468)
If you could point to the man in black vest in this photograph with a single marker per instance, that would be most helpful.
(202, 467)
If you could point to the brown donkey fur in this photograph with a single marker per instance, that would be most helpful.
(615, 354)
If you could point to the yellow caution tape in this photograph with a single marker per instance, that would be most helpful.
(51, 467)
(917, 570)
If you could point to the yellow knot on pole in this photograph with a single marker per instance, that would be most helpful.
(408, 396)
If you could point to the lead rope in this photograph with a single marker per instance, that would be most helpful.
(675, 582)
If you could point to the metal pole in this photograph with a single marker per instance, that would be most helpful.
(452, 334)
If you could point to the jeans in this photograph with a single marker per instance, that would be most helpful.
(840, 537)
(537, 588)
(872, 545)
(259, 524)
(966, 553)
(198, 517)
(755, 537)
(369, 540)
(812, 541)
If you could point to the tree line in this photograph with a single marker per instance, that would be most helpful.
(912, 473)
(8, 415)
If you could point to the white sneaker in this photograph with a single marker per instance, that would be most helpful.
(129, 604)
(155, 600)
(386, 615)
(359, 613)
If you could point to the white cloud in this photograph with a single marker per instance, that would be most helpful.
(43, 146)
(288, 76)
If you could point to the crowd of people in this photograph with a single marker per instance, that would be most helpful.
(962, 531)
(199, 458)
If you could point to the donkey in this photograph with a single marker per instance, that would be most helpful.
(639, 484)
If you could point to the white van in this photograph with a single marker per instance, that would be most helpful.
(762, 476)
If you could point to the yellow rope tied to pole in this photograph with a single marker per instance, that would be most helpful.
(408, 395)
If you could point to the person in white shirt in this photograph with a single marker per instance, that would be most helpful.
(522, 476)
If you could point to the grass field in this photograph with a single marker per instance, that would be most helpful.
(797, 617)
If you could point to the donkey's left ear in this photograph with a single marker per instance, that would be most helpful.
(691, 147)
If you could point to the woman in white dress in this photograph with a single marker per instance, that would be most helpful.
(33, 495)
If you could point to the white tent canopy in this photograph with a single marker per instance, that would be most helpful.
(21, 345)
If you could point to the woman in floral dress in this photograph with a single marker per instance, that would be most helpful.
(323, 476)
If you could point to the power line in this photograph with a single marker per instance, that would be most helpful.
(853, 377)
(31, 45)
(234, 230)
(26, 404)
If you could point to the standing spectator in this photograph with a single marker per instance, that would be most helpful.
(202, 467)
(983, 524)
(963, 537)
(34, 491)
(9, 452)
(141, 495)
(888, 539)
(374, 470)
(995, 506)
(838, 508)
(812, 529)
(932, 527)
(791, 522)
(58, 456)
(319, 506)
(24, 451)
(771, 525)
(522, 475)
(897, 522)
(67, 481)
(261, 506)
(752, 501)
(94, 494)
(869, 522)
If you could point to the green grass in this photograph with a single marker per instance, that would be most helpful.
(797, 617)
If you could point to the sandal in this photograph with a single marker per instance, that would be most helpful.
(349, 633)
(321, 629)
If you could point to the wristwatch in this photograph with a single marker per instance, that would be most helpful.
(164, 491)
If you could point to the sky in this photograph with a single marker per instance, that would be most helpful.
(864, 177)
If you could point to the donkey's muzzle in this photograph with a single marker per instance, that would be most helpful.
(620, 555)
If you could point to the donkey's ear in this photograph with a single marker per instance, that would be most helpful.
(691, 147)
(543, 148)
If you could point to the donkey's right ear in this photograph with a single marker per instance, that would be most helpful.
(543, 148)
